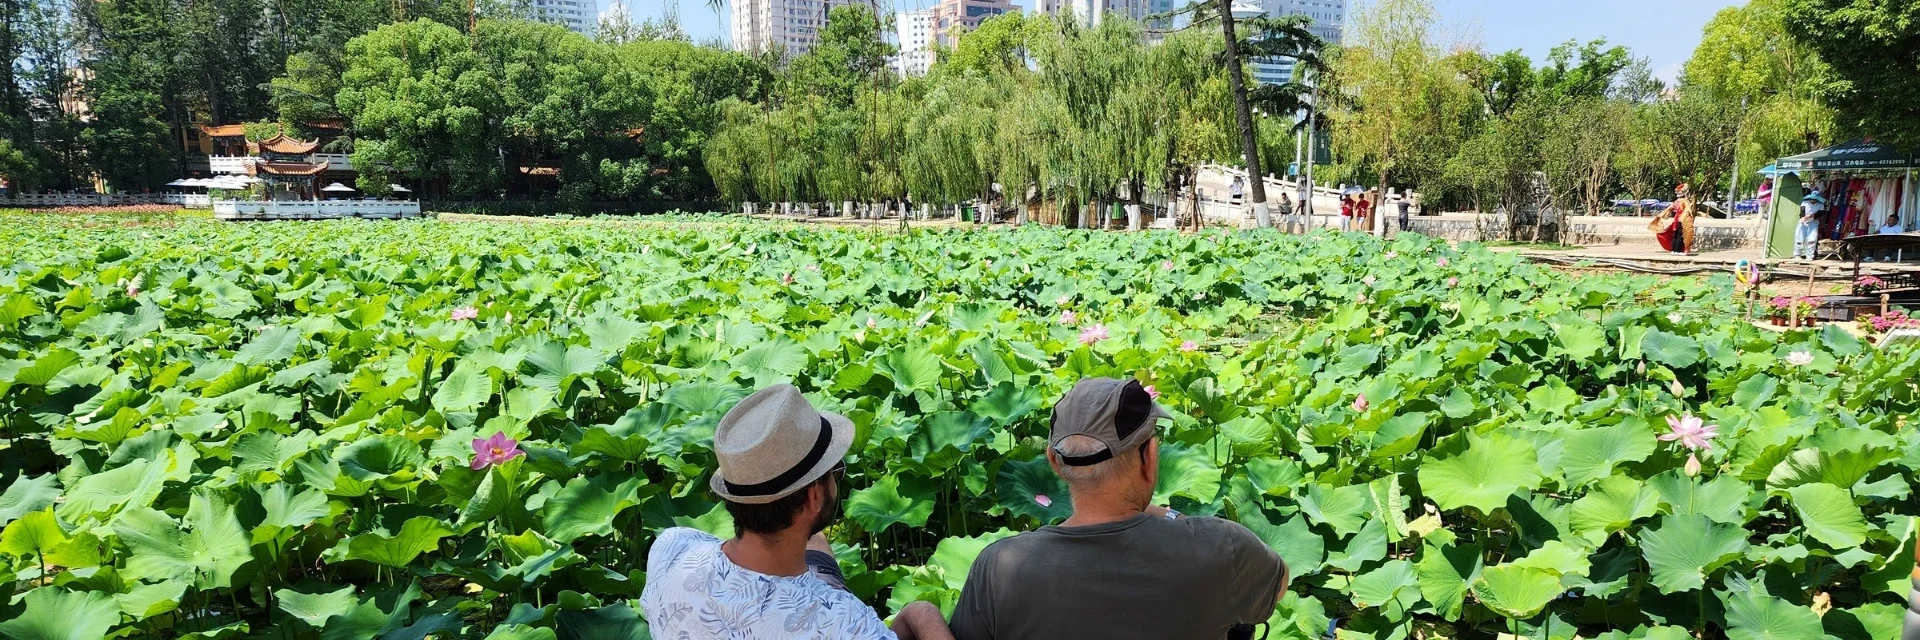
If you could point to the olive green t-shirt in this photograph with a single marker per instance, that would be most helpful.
(1145, 577)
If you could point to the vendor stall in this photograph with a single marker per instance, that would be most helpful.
(1869, 189)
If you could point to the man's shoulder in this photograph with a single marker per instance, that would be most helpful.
(673, 543)
(1220, 529)
(681, 536)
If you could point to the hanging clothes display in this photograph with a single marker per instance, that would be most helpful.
(1911, 204)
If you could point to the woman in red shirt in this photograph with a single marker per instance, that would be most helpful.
(1346, 213)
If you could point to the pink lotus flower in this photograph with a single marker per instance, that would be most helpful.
(860, 336)
(1093, 334)
(133, 287)
(1067, 318)
(1360, 299)
(464, 313)
(1063, 301)
(1152, 392)
(508, 319)
(1367, 281)
(1189, 346)
(1441, 262)
(786, 278)
(1692, 432)
(1800, 358)
(814, 268)
(1453, 282)
(1675, 317)
(495, 450)
(1166, 264)
(1679, 390)
(872, 323)
(1693, 465)
(1392, 254)
(1042, 500)
(1199, 296)
(1360, 403)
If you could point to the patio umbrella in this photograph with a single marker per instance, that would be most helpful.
(398, 189)
(178, 183)
(336, 187)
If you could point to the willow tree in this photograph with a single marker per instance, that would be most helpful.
(949, 157)
(1091, 72)
(1198, 125)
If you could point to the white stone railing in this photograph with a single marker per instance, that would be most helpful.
(313, 209)
(238, 164)
(228, 164)
(89, 199)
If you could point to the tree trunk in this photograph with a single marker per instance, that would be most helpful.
(1249, 143)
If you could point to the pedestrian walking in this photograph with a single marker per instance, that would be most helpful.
(1400, 202)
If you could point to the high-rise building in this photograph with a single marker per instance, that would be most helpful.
(579, 16)
(788, 26)
(953, 17)
(1156, 7)
(1091, 12)
(916, 33)
(1329, 20)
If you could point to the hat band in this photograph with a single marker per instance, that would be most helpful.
(1098, 457)
(790, 476)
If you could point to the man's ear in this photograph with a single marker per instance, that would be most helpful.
(1150, 463)
(1053, 460)
(816, 497)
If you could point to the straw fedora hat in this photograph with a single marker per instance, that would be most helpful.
(773, 443)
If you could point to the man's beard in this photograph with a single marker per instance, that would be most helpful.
(827, 516)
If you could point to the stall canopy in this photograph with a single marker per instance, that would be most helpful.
(1857, 154)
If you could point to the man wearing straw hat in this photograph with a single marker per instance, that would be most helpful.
(1120, 567)
(780, 463)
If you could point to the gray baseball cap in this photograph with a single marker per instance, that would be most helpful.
(1118, 413)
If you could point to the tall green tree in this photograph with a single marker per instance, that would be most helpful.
(1872, 48)
(850, 56)
(424, 107)
(1406, 101)
(1748, 56)
(687, 85)
(137, 93)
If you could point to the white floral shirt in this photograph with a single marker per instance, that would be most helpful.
(694, 592)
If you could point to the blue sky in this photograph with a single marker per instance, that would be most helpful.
(1663, 31)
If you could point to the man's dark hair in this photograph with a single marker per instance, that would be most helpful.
(776, 516)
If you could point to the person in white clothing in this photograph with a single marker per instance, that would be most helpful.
(1806, 237)
(780, 462)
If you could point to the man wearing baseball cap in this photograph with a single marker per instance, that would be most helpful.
(1119, 567)
(780, 462)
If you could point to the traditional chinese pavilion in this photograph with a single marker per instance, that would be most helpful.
(287, 166)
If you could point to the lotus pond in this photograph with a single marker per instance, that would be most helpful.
(264, 430)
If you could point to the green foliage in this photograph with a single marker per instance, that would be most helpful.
(1871, 51)
(277, 433)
